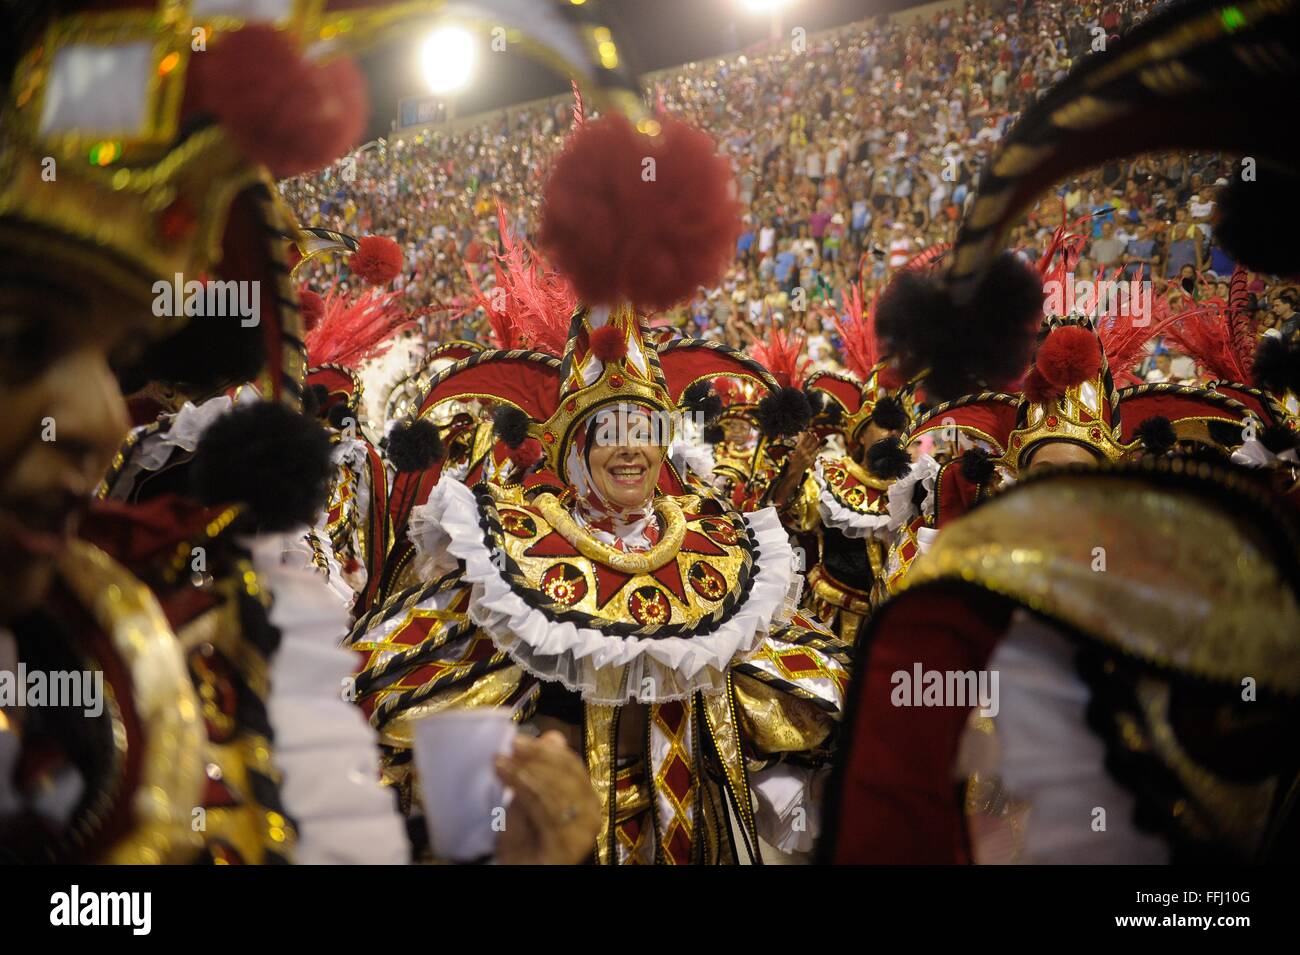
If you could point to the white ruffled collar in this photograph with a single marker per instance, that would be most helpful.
(604, 667)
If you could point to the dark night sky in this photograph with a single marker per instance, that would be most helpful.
(661, 33)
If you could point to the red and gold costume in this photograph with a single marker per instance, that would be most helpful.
(534, 596)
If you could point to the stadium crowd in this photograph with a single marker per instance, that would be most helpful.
(852, 155)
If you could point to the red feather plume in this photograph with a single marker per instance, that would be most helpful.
(531, 304)
(1124, 338)
(639, 219)
(352, 331)
(783, 355)
(1205, 332)
(1065, 243)
(858, 333)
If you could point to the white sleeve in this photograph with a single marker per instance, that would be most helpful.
(1048, 758)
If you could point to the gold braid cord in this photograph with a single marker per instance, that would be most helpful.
(646, 562)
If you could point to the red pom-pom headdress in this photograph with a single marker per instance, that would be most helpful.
(1069, 396)
(378, 259)
(284, 111)
(642, 218)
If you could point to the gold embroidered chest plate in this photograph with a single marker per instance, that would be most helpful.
(689, 588)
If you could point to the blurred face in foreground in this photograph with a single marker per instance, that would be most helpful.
(625, 468)
(64, 414)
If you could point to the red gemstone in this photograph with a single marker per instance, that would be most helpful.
(1051, 421)
(1096, 434)
(571, 407)
(616, 381)
(1016, 441)
(548, 437)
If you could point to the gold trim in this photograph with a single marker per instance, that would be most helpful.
(171, 771)
(646, 562)
(1213, 604)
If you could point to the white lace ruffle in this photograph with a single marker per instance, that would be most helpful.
(186, 429)
(586, 660)
(848, 522)
(689, 455)
(324, 748)
(899, 496)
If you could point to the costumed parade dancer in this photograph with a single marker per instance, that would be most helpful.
(1148, 680)
(585, 586)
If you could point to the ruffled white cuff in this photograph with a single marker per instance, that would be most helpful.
(848, 522)
(325, 750)
(899, 496)
(587, 660)
(184, 431)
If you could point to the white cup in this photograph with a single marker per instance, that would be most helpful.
(464, 800)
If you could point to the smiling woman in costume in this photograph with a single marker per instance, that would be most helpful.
(582, 588)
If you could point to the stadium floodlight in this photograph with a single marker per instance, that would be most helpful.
(448, 57)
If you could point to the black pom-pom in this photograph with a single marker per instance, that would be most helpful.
(701, 399)
(887, 458)
(1157, 435)
(1253, 220)
(414, 445)
(984, 343)
(340, 416)
(313, 400)
(832, 412)
(889, 414)
(267, 457)
(816, 400)
(1279, 438)
(510, 425)
(977, 466)
(784, 414)
(713, 434)
(1277, 366)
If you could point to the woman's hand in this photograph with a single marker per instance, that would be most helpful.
(555, 814)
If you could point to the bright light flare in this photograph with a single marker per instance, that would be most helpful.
(764, 6)
(448, 58)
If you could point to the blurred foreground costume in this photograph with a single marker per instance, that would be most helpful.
(223, 741)
(1141, 613)
(140, 147)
